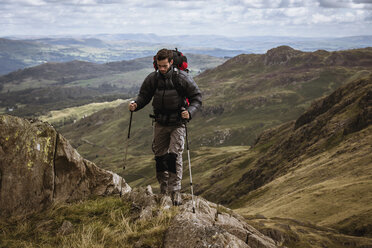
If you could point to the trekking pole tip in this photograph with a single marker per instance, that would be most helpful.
(193, 210)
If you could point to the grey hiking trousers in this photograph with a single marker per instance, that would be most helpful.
(168, 145)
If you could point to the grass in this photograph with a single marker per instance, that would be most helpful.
(292, 233)
(125, 79)
(326, 188)
(76, 113)
(28, 83)
(97, 222)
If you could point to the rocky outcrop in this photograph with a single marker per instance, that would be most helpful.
(210, 226)
(38, 167)
(280, 55)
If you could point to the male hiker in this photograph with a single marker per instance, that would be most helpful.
(176, 98)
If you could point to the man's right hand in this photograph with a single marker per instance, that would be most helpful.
(132, 106)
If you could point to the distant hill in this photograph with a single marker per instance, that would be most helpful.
(250, 93)
(103, 48)
(19, 54)
(248, 44)
(11, 49)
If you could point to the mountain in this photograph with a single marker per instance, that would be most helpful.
(250, 93)
(316, 168)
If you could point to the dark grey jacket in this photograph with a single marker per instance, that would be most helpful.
(166, 98)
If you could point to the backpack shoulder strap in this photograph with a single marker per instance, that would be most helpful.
(156, 81)
(176, 83)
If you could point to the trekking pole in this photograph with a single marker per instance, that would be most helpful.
(188, 156)
(126, 149)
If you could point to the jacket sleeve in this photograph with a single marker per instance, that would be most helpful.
(193, 94)
(146, 92)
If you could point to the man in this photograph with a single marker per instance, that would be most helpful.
(169, 87)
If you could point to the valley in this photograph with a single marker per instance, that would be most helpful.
(283, 138)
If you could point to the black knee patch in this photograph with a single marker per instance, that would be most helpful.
(171, 162)
(161, 164)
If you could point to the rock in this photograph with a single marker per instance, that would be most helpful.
(142, 203)
(149, 190)
(66, 228)
(165, 202)
(211, 225)
(38, 167)
(209, 228)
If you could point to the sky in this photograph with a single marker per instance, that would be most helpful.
(301, 18)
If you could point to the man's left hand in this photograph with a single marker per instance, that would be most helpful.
(185, 115)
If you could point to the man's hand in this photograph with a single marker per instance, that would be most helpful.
(132, 106)
(185, 115)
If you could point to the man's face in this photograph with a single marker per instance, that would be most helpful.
(164, 65)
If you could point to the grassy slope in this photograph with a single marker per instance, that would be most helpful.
(327, 189)
(321, 173)
(58, 117)
(293, 233)
(97, 222)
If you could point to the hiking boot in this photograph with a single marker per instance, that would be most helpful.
(176, 198)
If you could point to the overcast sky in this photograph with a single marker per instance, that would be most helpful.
(305, 18)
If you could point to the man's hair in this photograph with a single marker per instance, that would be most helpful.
(164, 54)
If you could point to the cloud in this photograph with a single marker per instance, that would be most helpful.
(23, 2)
(348, 4)
(228, 17)
(363, 1)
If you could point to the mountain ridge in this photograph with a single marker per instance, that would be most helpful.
(293, 169)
